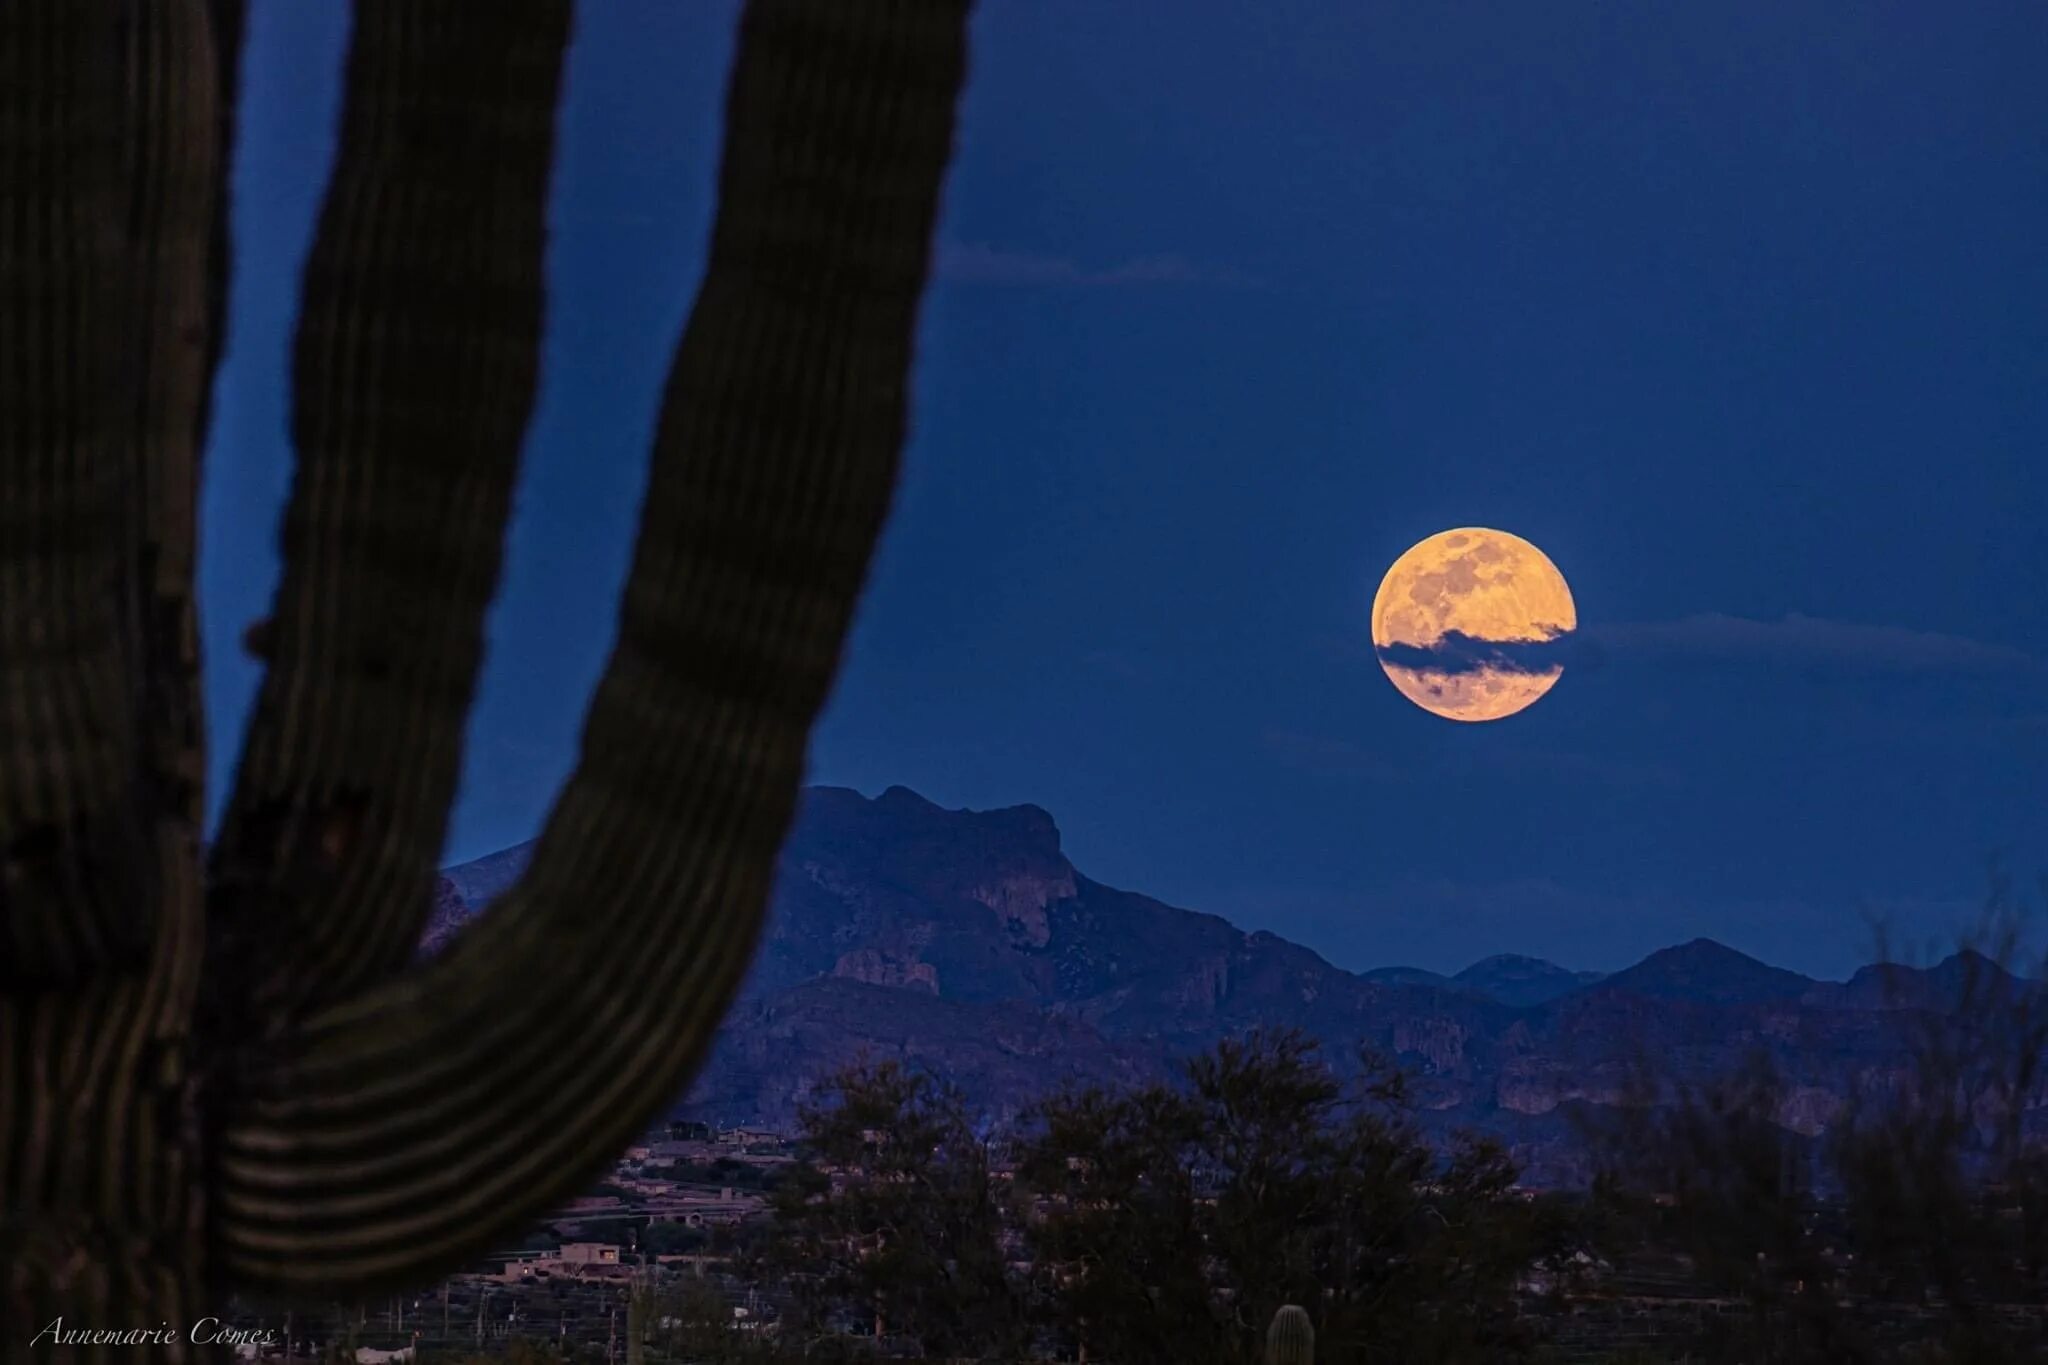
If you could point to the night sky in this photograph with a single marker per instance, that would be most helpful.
(1739, 311)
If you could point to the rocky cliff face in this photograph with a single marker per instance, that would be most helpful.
(966, 941)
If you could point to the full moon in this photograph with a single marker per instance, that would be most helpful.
(1488, 587)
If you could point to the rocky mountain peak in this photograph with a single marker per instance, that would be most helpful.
(1006, 861)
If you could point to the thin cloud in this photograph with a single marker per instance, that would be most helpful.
(1794, 640)
(1456, 653)
(1811, 640)
(980, 263)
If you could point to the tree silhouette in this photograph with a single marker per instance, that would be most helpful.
(1913, 1227)
(892, 1226)
(1172, 1223)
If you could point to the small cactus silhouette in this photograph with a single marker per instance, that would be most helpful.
(1291, 1340)
(639, 1308)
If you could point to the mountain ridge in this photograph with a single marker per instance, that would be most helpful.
(969, 942)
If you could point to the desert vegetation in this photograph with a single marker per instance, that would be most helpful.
(1911, 1225)
(1170, 1222)
(1173, 1221)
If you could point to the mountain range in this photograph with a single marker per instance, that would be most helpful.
(966, 941)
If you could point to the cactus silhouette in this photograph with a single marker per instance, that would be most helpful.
(1291, 1339)
(639, 1312)
(220, 1069)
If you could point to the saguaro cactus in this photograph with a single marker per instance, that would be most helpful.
(222, 1071)
(639, 1311)
(1291, 1339)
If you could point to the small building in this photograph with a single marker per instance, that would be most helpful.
(572, 1260)
(588, 1253)
(702, 1207)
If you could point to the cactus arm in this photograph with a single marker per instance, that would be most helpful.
(98, 468)
(70, 900)
(180, 62)
(179, 58)
(408, 1127)
(415, 368)
(112, 136)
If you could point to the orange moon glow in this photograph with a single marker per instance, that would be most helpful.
(1487, 586)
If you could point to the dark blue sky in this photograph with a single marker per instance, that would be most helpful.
(1739, 311)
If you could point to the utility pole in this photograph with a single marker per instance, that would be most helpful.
(480, 1299)
(611, 1345)
(444, 1310)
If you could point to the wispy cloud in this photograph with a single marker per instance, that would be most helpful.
(980, 263)
(1793, 640)
(1809, 640)
(1458, 652)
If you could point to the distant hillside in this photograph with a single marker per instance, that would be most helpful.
(966, 940)
(1506, 978)
(1516, 980)
(1704, 970)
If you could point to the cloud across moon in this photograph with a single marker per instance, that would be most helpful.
(1472, 623)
